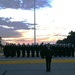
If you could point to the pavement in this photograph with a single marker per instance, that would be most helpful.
(36, 66)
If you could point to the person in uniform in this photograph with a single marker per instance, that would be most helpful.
(48, 58)
(23, 47)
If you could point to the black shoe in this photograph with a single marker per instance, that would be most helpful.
(48, 71)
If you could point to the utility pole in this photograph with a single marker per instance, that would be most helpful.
(34, 22)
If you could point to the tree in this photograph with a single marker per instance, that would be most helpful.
(70, 38)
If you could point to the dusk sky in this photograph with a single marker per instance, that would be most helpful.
(54, 20)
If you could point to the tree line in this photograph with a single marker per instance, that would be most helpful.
(69, 39)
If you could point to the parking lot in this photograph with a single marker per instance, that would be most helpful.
(36, 66)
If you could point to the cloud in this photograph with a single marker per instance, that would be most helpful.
(7, 27)
(59, 34)
(8, 33)
(10, 29)
(24, 4)
(6, 23)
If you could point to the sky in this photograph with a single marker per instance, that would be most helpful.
(54, 20)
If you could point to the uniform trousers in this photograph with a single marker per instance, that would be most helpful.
(48, 64)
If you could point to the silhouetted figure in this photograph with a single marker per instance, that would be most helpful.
(48, 58)
(47, 54)
(23, 47)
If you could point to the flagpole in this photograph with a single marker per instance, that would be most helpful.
(34, 22)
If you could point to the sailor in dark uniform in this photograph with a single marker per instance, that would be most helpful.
(48, 58)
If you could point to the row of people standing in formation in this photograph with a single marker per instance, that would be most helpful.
(18, 50)
(35, 50)
(63, 50)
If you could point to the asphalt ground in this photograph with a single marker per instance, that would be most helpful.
(38, 69)
(36, 66)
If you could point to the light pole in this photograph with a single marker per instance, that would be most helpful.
(34, 22)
